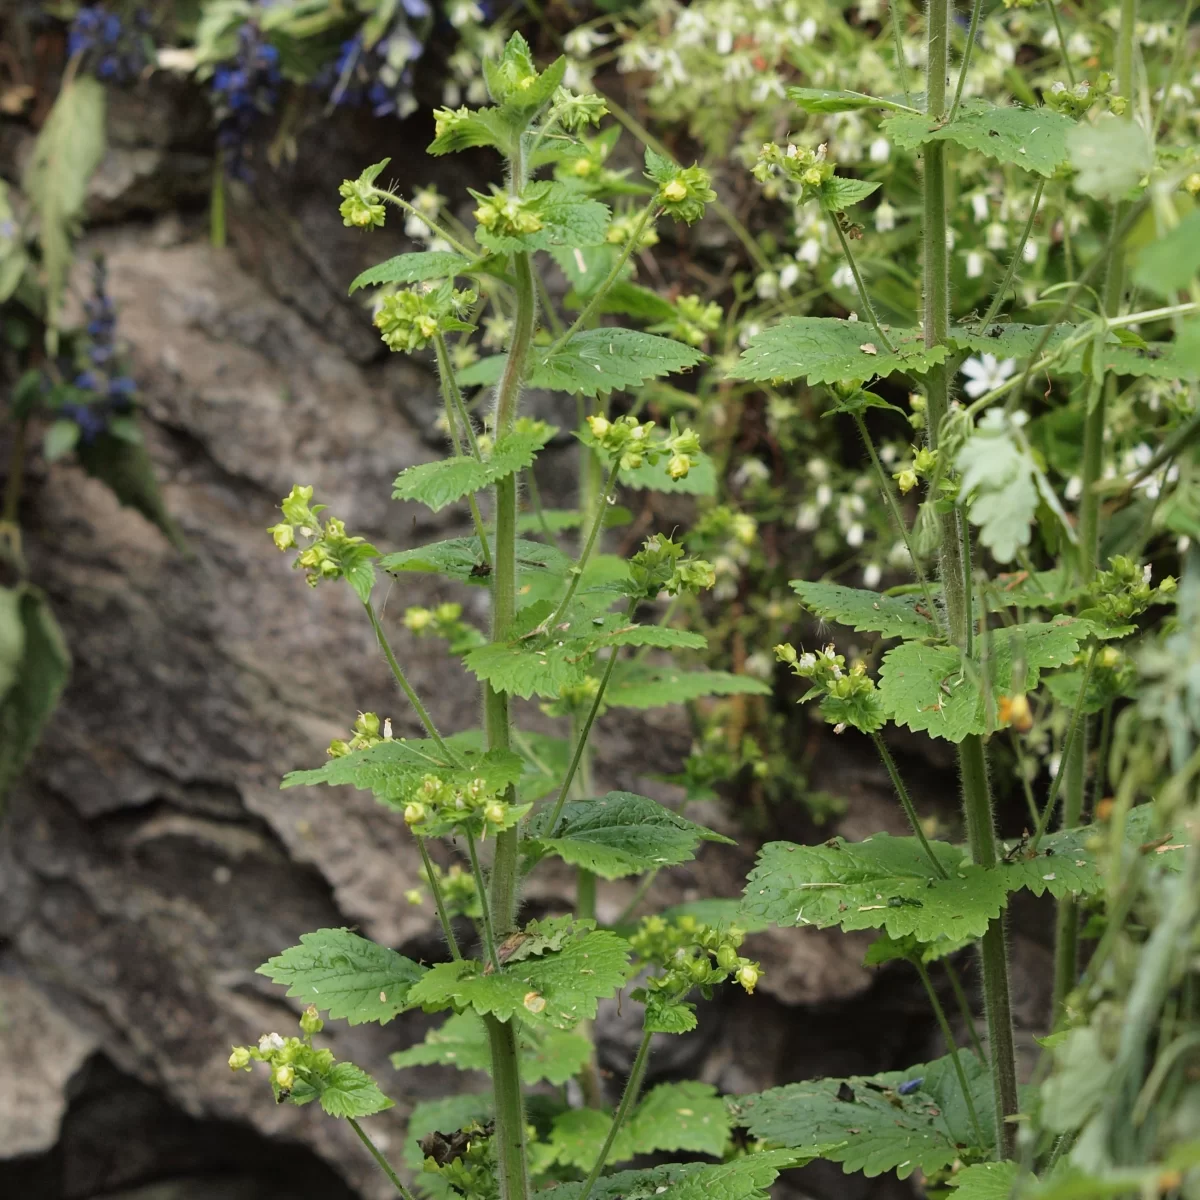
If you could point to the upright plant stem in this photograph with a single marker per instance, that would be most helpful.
(405, 686)
(1074, 767)
(452, 401)
(898, 41)
(633, 1085)
(384, 1165)
(502, 899)
(438, 900)
(951, 1046)
(906, 803)
(588, 546)
(955, 546)
(489, 938)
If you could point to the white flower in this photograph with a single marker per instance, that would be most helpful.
(767, 285)
(753, 470)
(807, 518)
(980, 207)
(581, 42)
(854, 535)
(1074, 488)
(788, 276)
(872, 574)
(824, 496)
(818, 468)
(465, 12)
(974, 264)
(759, 664)
(885, 218)
(996, 236)
(809, 252)
(1079, 45)
(879, 151)
(807, 31)
(269, 1042)
(985, 373)
(1029, 252)
(843, 277)
(724, 41)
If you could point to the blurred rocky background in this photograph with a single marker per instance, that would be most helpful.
(149, 861)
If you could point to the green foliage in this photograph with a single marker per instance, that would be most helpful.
(1109, 157)
(68, 149)
(462, 559)
(346, 976)
(348, 1091)
(437, 484)
(825, 350)
(558, 989)
(1168, 265)
(1034, 139)
(412, 268)
(605, 360)
(623, 834)
(542, 663)
(883, 883)
(934, 688)
(891, 616)
(821, 100)
(1000, 479)
(34, 666)
(642, 685)
(867, 1125)
(985, 1181)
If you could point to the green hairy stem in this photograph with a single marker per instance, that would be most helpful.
(955, 567)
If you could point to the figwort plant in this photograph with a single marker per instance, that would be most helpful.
(486, 806)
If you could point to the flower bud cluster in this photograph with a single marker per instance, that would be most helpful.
(693, 322)
(411, 318)
(660, 566)
(923, 466)
(460, 894)
(848, 696)
(295, 1064)
(624, 225)
(326, 551)
(805, 169)
(631, 442)
(1124, 591)
(691, 955)
(573, 112)
(444, 621)
(1075, 101)
(438, 806)
(361, 206)
(684, 194)
(368, 731)
(507, 215)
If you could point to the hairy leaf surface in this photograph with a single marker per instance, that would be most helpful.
(641, 685)
(606, 360)
(412, 268)
(874, 1128)
(624, 834)
(883, 883)
(828, 350)
(348, 1091)
(1034, 139)
(462, 559)
(892, 616)
(345, 975)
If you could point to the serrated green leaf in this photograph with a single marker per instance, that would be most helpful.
(1010, 339)
(68, 149)
(641, 685)
(883, 883)
(558, 989)
(866, 612)
(932, 688)
(638, 302)
(820, 100)
(999, 484)
(412, 268)
(579, 1133)
(1069, 862)
(874, 1129)
(701, 480)
(568, 219)
(393, 769)
(348, 1091)
(985, 1181)
(681, 1116)
(462, 559)
(462, 1042)
(1034, 139)
(1109, 157)
(744, 1178)
(345, 975)
(664, 1015)
(886, 949)
(437, 484)
(623, 834)
(543, 663)
(606, 360)
(839, 193)
(484, 127)
(587, 267)
(828, 350)
(35, 680)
